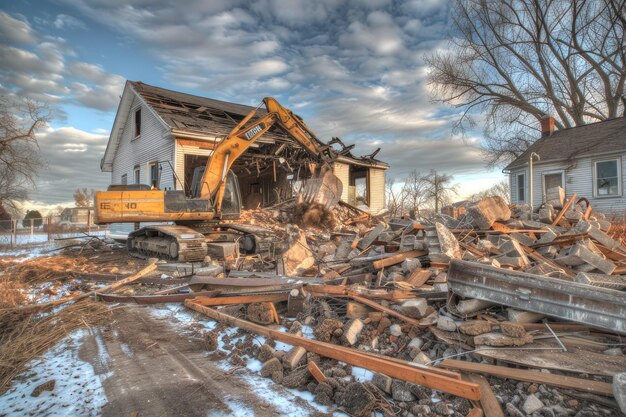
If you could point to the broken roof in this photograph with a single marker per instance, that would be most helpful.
(592, 139)
(187, 113)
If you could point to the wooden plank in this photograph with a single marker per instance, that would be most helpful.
(241, 299)
(196, 143)
(396, 259)
(587, 212)
(471, 249)
(488, 401)
(564, 209)
(419, 277)
(561, 381)
(316, 372)
(403, 371)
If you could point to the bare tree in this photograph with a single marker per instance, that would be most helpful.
(83, 197)
(414, 191)
(500, 189)
(19, 154)
(516, 61)
(395, 197)
(438, 189)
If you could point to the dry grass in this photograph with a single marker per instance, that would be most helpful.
(28, 334)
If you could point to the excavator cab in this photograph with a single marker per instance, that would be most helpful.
(231, 202)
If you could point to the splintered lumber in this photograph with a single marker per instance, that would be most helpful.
(396, 259)
(488, 401)
(561, 381)
(241, 299)
(316, 372)
(566, 207)
(387, 310)
(403, 371)
(419, 277)
(540, 258)
(77, 297)
(153, 299)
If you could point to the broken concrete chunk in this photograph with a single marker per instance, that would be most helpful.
(555, 196)
(472, 305)
(487, 211)
(475, 327)
(416, 343)
(446, 324)
(422, 358)
(617, 282)
(371, 236)
(579, 254)
(598, 235)
(410, 264)
(383, 382)
(415, 308)
(400, 391)
(518, 316)
(447, 241)
(523, 239)
(299, 257)
(395, 330)
(499, 339)
(532, 404)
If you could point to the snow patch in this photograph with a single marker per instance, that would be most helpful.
(78, 390)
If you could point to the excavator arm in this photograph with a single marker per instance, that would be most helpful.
(245, 134)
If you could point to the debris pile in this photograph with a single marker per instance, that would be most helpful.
(413, 318)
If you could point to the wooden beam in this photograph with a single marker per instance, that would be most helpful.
(396, 259)
(196, 143)
(241, 299)
(403, 371)
(488, 401)
(564, 209)
(387, 310)
(540, 258)
(561, 381)
(316, 372)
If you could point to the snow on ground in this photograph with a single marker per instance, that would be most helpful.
(283, 399)
(78, 389)
(37, 245)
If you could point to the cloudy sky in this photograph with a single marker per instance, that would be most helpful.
(353, 69)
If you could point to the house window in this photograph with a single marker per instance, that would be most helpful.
(124, 179)
(137, 174)
(153, 170)
(552, 180)
(607, 178)
(138, 122)
(521, 187)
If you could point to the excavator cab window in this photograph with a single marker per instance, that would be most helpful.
(231, 203)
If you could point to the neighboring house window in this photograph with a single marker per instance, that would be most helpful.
(153, 169)
(521, 187)
(138, 122)
(137, 174)
(607, 178)
(124, 179)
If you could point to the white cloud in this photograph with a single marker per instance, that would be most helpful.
(15, 31)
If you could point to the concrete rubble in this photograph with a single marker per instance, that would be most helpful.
(363, 293)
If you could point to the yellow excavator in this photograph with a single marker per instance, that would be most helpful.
(219, 197)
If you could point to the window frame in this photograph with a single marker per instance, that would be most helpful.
(137, 174)
(517, 175)
(149, 173)
(124, 179)
(137, 127)
(552, 172)
(594, 165)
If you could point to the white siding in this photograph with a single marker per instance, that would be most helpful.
(342, 171)
(578, 179)
(377, 189)
(181, 151)
(514, 188)
(154, 144)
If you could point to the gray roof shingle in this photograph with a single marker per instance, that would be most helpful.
(595, 138)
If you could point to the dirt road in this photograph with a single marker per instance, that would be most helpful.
(157, 369)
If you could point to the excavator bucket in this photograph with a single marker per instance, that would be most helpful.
(323, 189)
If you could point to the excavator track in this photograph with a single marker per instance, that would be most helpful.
(168, 241)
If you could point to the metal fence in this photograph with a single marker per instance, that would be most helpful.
(24, 232)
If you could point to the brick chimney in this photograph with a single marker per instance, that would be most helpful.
(547, 126)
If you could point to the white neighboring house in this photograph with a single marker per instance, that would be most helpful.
(160, 137)
(589, 161)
